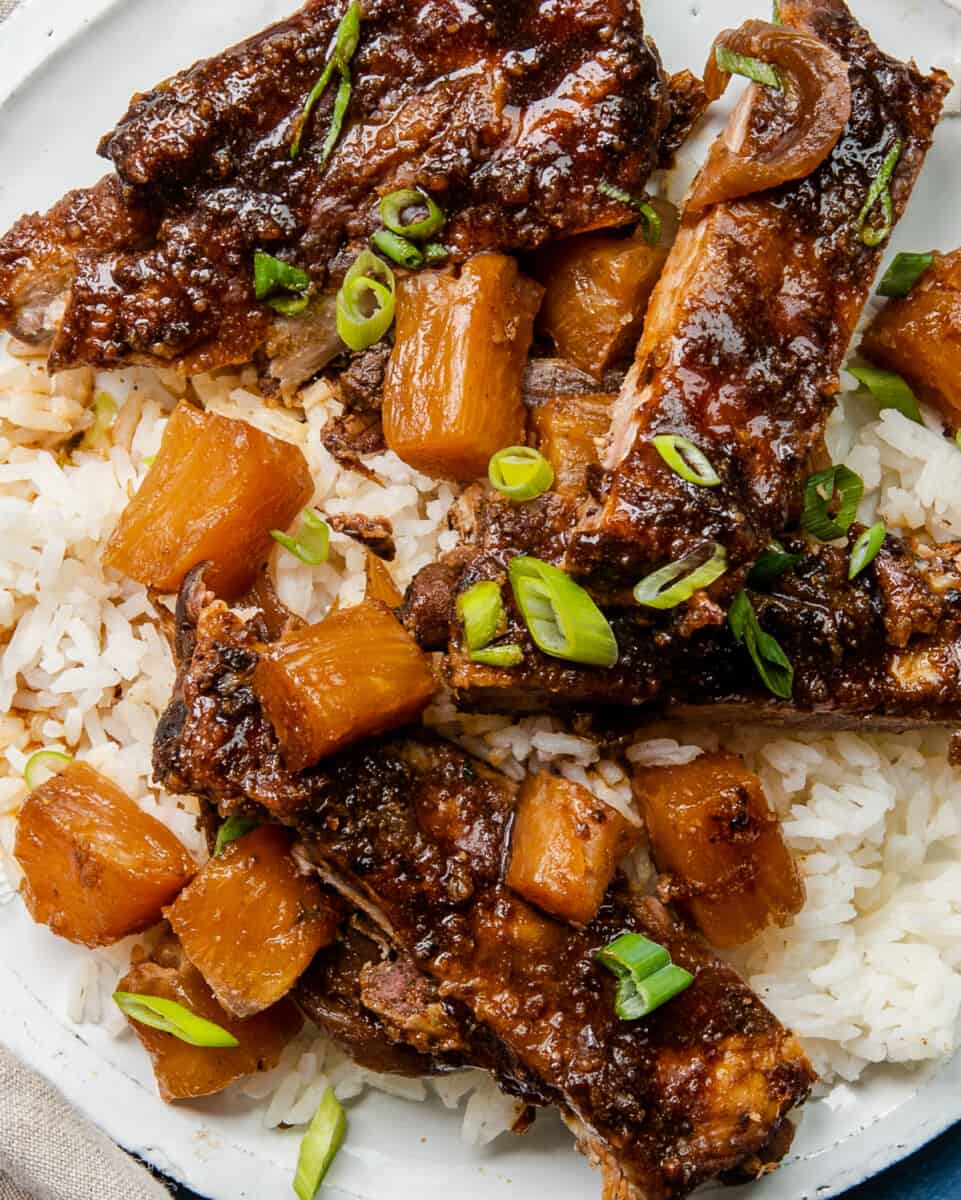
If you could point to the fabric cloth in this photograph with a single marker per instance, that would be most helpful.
(49, 1152)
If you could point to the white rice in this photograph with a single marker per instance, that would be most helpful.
(870, 971)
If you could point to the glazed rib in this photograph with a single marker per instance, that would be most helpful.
(747, 332)
(414, 832)
(509, 113)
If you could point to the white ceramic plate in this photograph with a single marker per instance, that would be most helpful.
(67, 68)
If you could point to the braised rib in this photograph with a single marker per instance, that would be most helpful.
(747, 331)
(509, 113)
(414, 833)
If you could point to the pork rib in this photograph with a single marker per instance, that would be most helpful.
(509, 112)
(747, 332)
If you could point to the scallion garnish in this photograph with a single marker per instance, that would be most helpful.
(498, 656)
(393, 209)
(957, 439)
(273, 275)
(678, 581)
(481, 611)
(880, 193)
(345, 44)
(311, 544)
(686, 460)
(647, 977)
(366, 301)
(232, 830)
(773, 562)
(398, 249)
(645, 210)
(865, 549)
(97, 436)
(44, 760)
(732, 63)
(773, 665)
(890, 391)
(904, 273)
(321, 1142)
(562, 618)
(819, 494)
(173, 1018)
(435, 255)
(520, 473)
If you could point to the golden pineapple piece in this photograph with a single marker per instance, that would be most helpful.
(565, 848)
(186, 1072)
(95, 867)
(357, 674)
(251, 922)
(570, 430)
(452, 396)
(216, 491)
(380, 583)
(719, 844)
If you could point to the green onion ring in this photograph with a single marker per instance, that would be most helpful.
(320, 1145)
(647, 979)
(686, 460)
(498, 656)
(880, 192)
(44, 760)
(393, 207)
(773, 562)
(173, 1018)
(904, 273)
(274, 275)
(232, 830)
(818, 496)
(772, 664)
(520, 473)
(369, 279)
(481, 611)
(435, 255)
(678, 581)
(398, 249)
(732, 63)
(312, 543)
(865, 549)
(890, 391)
(562, 618)
(632, 954)
(345, 44)
(646, 211)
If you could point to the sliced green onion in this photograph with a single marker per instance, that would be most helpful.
(173, 1018)
(678, 581)
(774, 562)
(686, 460)
(345, 44)
(321, 1142)
(772, 664)
(394, 206)
(312, 543)
(646, 211)
(274, 275)
(435, 255)
(865, 549)
(819, 496)
(398, 249)
(148, 460)
(880, 193)
(904, 273)
(776, 13)
(732, 63)
(44, 760)
(647, 977)
(498, 656)
(481, 610)
(520, 473)
(97, 436)
(232, 830)
(562, 618)
(366, 301)
(890, 391)
(957, 439)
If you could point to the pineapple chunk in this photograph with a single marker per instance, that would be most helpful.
(452, 396)
(186, 1072)
(566, 847)
(357, 674)
(216, 491)
(251, 923)
(569, 430)
(719, 844)
(96, 868)
(380, 583)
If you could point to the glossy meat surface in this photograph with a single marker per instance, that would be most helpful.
(415, 833)
(509, 112)
(747, 331)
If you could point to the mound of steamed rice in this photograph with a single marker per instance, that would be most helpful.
(868, 973)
